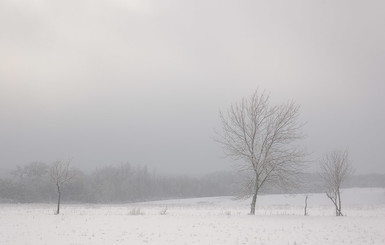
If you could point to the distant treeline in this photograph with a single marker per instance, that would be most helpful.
(127, 183)
(110, 184)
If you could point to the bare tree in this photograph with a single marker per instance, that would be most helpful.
(262, 137)
(335, 169)
(60, 174)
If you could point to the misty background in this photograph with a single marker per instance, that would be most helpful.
(109, 82)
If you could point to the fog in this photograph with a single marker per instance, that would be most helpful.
(106, 82)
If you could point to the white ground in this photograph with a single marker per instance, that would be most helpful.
(220, 220)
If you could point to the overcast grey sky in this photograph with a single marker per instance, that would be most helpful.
(111, 81)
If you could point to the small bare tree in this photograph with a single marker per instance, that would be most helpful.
(262, 136)
(60, 174)
(335, 169)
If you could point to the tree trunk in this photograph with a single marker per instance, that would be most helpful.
(339, 203)
(254, 200)
(334, 198)
(336, 205)
(306, 205)
(58, 200)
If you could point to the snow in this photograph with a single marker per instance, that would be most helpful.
(216, 220)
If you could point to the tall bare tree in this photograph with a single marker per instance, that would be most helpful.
(335, 169)
(60, 174)
(262, 136)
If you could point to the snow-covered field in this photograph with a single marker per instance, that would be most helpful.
(218, 220)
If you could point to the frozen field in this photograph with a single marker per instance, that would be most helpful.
(221, 220)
